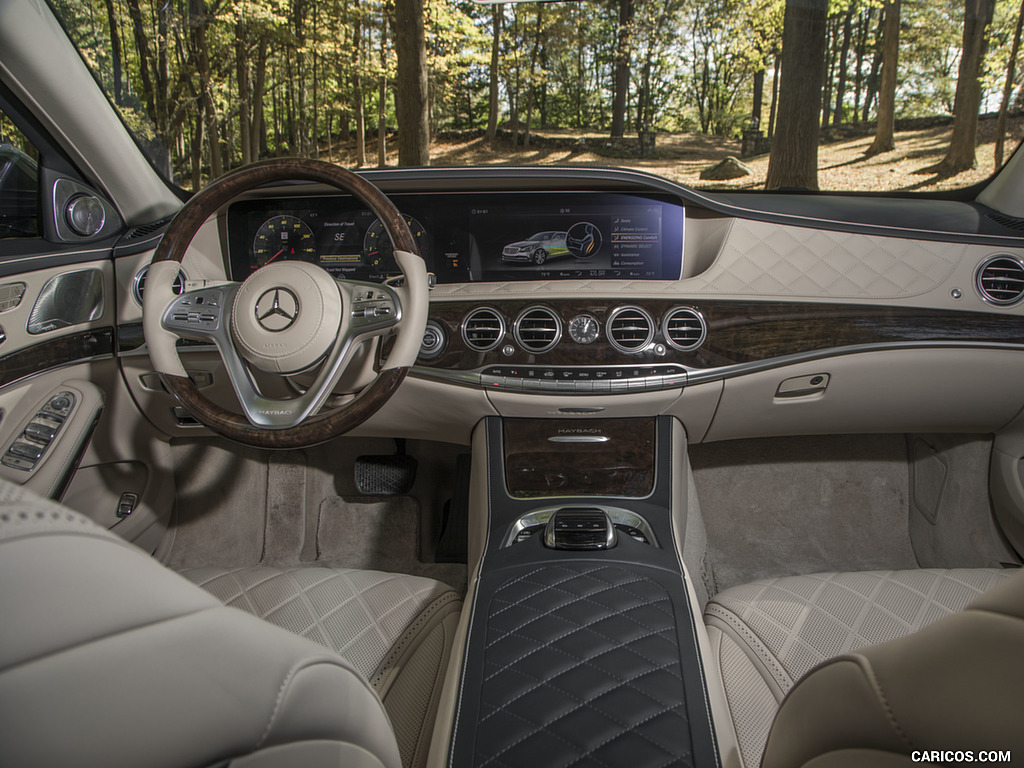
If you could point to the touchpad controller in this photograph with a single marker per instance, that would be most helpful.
(580, 528)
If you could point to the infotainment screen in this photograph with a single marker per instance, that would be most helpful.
(595, 236)
(487, 236)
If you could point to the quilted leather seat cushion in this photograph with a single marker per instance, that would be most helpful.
(396, 630)
(360, 615)
(767, 634)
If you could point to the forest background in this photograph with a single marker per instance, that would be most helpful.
(840, 94)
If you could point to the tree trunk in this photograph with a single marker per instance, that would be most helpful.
(773, 109)
(199, 24)
(794, 156)
(142, 44)
(1004, 105)
(244, 92)
(533, 74)
(858, 74)
(844, 58)
(382, 96)
(622, 55)
(116, 54)
(961, 157)
(357, 87)
(197, 148)
(755, 112)
(876, 63)
(831, 54)
(884, 140)
(492, 113)
(411, 85)
(258, 133)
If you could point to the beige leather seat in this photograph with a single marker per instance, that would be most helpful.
(769, 634)
(108, 658)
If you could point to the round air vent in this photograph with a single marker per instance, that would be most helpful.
(629, 329)
(139, 284)
(1000, 279)
(684, 328)
(538, 329)
(483, 329)
(433, 343)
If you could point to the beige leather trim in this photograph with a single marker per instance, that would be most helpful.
(415, 305)
(955, 685)
(445, 718)
(908, 390)
(156, 299)
(309, 754)
(816, 720)
(479, 516)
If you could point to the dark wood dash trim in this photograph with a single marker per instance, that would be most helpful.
(738, 331)
(55, 353)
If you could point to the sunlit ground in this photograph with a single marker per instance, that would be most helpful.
(682, 157)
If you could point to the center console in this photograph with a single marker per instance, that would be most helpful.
(581, 645)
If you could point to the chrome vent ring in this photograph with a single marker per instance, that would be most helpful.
(538, 329)
(1000, 280)
(684, 329)
(629, 329)
(139, 284)
(483, 329)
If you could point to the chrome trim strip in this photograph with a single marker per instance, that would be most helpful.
(617, 515)
(706, 375)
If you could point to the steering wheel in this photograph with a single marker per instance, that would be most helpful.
(286, 318)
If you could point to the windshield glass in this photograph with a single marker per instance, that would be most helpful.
(851, 95)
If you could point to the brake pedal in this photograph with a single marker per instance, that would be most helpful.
(391, 475)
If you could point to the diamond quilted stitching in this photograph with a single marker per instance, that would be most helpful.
(358, 614)
(803, 620)
(582, 668)
(760, 258)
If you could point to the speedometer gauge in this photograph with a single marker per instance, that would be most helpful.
(379, 253)
(283, 237)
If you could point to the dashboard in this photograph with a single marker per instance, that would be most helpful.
(468, 237)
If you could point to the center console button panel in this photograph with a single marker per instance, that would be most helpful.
(583, 380)
(624, 521)
(579, 528)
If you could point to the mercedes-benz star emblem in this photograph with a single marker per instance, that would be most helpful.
(277, 309)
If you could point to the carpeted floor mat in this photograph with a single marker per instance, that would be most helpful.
(783, 506)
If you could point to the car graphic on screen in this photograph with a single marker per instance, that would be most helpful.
(537, 248)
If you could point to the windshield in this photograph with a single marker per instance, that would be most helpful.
(848, 95)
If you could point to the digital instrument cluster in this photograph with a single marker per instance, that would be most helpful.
(467, 238)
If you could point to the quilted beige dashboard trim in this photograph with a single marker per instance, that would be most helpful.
(768, 259)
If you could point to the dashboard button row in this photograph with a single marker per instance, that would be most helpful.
(583, 379)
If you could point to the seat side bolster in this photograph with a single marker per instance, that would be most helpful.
(774, 673)
(837, 706)
(325, 698)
